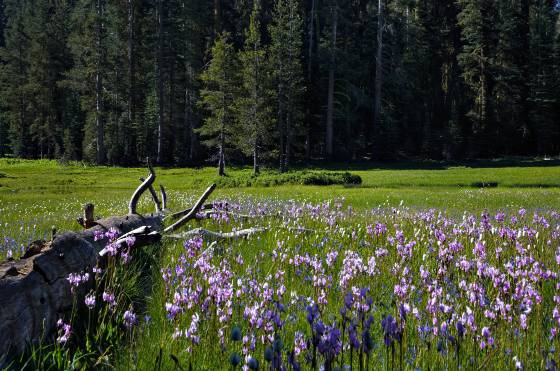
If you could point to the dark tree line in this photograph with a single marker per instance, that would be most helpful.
(278, 82)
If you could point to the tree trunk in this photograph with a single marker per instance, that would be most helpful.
(190, 99)
(217, 18)
(187, 117)
(330, 102)
(281, 128)
(221, 157)
(21, 150)
(221, 162)
(378, 70)
(99, 124)
(309, 77)
(131, 109)
(171, 103)
(288, 141)
(160, 80)
(256, 168)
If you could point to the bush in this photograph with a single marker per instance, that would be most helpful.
(306, 177)
(484, 184)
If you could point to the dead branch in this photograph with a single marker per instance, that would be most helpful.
(216, 235)
(163, 197)
(142, 236)
(181, 213)
(141, 189)
(208, 214)
(192, 214)
(154, 196)
(301, 229)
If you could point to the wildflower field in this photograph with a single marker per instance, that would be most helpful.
(413, 269)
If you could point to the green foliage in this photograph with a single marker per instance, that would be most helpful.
(254, 113)
(269, 179)
(285, 55)
(218, 96)
(106, 81)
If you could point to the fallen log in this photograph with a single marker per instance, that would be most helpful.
(34, 290)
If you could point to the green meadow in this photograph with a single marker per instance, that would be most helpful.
(36, 196)
(492, 185)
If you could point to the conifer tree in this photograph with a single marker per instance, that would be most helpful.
(48, 60)
(512, 75)
(286, 32)
(218, 97)
(477, 20)
(14, 68)
(3, 126)
(116, 81)
(543, 82)
(253, 110)
(87, 43)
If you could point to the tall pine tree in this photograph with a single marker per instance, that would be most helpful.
(218, 97)
(14, 76)
(253, 110)
(286, 32)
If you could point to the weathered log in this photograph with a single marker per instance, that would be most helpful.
(34, 291)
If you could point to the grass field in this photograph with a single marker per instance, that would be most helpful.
(528, 184)
(445, 284)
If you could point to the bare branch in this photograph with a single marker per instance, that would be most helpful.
(217, 235)
(181, 213)
(210, 248)
(143, 236)
(192, 213)
(141, 189)
(209, 213)
(154, 196)
(163, 198)
(301, 229)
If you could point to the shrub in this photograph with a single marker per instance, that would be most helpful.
(306, 177)
(484, 184)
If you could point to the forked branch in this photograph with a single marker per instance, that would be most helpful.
(192, 213)
(140, 190)
(178, 214)
(157, 203)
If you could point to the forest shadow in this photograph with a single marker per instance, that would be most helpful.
(434, 165)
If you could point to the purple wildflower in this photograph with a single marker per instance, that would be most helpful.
(90, 301)
(130, 319)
